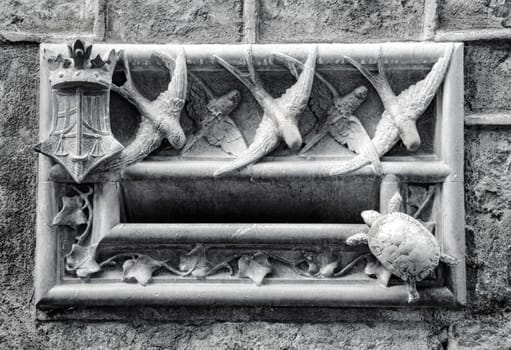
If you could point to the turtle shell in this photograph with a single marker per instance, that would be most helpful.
(404, 246)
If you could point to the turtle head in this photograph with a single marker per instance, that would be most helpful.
(370, 216)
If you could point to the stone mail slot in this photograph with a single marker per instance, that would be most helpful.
(324, 174)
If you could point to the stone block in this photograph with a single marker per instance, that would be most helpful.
(473, 14)
(160, 21)
(487, 72)
(340, 21)
(35, 19)
(488, 217)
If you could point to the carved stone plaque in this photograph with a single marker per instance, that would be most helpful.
(311, 174)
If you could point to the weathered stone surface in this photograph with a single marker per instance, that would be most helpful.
(249, 335)
(481, 333)
(18, 130)
(487, 323)
(195, 21)
(473, 14)
(488, 217)
(43, 17)
(487, 71)
(340, 21)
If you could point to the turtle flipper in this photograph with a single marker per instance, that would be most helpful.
(395, 203)
(382, 274)
(357, 239)
(413, 295)
(448, 260)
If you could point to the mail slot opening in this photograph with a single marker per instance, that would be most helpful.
(248, 199)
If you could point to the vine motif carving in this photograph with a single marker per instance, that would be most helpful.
(77, 214)
(256, 266)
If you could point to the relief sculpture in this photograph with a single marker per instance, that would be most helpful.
(402, 245)
(280, 114)
(213, 121)
(341, 123)
(320, 217)
(398, 121)
(80, 137)
(160, 118)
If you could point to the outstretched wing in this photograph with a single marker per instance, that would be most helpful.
(354, 135)
(225, 134)
(197, 103)
(416, 98)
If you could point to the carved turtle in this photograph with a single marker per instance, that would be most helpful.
(402, 245)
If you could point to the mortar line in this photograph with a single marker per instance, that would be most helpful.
(99, 29)
(492, 118)
(430, 20)
(250, 21)
(473, 34)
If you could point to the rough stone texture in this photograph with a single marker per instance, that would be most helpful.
(47, 16)
(487, 71)
(18, 130)
(340, 21)
(192, 21)
(473, 14)
(484, 324)
(488, 218)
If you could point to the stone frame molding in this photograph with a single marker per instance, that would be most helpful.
(240, 256)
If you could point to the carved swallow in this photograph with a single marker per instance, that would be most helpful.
(340, 122)
(160, 118)
(279, 121)
(398, 121)
(215, 124)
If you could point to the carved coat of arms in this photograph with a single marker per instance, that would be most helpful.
(80, 136)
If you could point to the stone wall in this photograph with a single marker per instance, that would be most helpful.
(483, 25)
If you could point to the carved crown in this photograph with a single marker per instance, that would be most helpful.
(79, 69)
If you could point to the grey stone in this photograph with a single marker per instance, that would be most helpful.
(47, 17)
(487, 198)
(486, 325)
(487, 71)
(473, 14)
(195, 21)
(340, 21)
